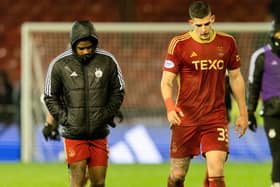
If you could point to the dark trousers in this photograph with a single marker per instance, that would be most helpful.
(272, 129)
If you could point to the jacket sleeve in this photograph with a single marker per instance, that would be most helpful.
(117, 91)
(255, 81)
(53, 96)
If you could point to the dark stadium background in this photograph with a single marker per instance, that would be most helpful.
(14, 13)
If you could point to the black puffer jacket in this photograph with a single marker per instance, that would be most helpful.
(84, 98)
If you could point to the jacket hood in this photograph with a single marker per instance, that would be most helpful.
(83, 29)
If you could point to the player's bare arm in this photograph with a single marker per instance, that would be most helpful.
(167, 85)
(238, 88)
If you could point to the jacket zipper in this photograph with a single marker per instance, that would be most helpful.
(86, 94)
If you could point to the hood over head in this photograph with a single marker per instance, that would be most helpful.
(82, 29)
(275, 40)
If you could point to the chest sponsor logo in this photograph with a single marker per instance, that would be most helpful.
(216, 64)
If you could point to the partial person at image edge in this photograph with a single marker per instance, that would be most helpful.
(264, 82)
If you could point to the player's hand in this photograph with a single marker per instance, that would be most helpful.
(50, 132)
(112, 124)
(174, 113)
(241, 125)
(252, 122)
(174, 116)
(119, 116)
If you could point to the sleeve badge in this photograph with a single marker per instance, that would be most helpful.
(169, 64)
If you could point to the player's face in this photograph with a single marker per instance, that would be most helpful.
(277, 35)
(85, 51)
(276, 43)
(84, 48)
(202, 27)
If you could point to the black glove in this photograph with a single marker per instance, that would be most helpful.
(118, 115)
(50, 132)
(252, 122)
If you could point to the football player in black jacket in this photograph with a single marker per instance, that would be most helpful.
(84, 89)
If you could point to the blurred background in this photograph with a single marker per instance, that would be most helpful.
(144, 111)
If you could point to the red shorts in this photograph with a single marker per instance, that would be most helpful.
(192, 140)
(94, 151)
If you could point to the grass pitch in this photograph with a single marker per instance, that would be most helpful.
(134, 175)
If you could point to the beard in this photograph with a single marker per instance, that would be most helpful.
(85, 59)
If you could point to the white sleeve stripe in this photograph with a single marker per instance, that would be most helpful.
(48, 77)
(253, 63)
(120, 76)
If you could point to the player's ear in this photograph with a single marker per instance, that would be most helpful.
(212, 18)
(190, 21)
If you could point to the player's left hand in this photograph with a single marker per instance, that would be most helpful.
(174, 116)
(252, 121)
(241, 125)
(119, 116)
(50, 132)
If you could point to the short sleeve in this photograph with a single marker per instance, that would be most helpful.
(172, 60)
(234, 61)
